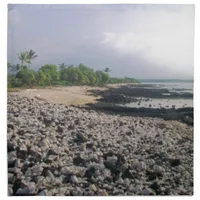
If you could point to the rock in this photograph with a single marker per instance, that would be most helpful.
(128, 173)
(11, 178)
(102, 193)
(82, 147)
(11, 146)
(127, 182)
(93, 157)
(129, 133)
(152, 175)
(107, 187)
(78, 192)
(78, 161)
(54, 151)
(57, 181)
(182, 170)
(151, 162)
(74, 179)
(111, 166)
(93, 188)
(158, 169)
(60, 129)
(175, 162)
(43, 144)
(18, 163)
(147, 191)
(165, 156)
(12, 158)
(49, 174)
(29, 189)
(97, 173)
(23, 150)
(136, 189)
(161, 125)
(90, 193)
(140, 166)
(34, 171)
(14, 170)
(112, 159)
(89, 145)
(27, 143)
(50, 159)
(10, 126)
(23, 191)
(10, 191)
(156, 187)
(177, 179)
(84, 183)
(42, 193)
(66, 170)
(90, 172)
(36, 154)
(120, 181)
(81, 137)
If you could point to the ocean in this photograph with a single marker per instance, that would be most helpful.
(178, 87)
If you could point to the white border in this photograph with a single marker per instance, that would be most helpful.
(3, 85)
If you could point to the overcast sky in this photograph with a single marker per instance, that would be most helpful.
(141, 41)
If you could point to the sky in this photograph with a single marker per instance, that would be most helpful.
(140, 41)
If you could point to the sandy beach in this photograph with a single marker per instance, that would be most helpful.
(72, 95)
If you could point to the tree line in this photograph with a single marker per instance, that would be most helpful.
(21, 75)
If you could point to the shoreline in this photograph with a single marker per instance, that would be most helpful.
(119, 99)
(80, 95)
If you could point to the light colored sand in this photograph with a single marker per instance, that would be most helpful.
(72, 95)
(68, 95)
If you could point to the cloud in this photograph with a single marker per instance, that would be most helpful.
(133, 40)
(160, 36)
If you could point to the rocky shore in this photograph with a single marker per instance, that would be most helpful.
(60, 150)
(146, 100)
(128, 93)
(184, 115)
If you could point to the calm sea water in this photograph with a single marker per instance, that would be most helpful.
(187, 87)
(167, 102)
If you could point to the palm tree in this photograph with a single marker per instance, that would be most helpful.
(16, 67)
(106, 70)
(22, 57)
(30, 56)
(62, 66)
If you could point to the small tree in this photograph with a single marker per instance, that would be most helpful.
(41, 78)
(27, 76)
(62, 66)
(50, 72)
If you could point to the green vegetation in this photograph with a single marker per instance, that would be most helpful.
(49, 74)
(124, 80)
